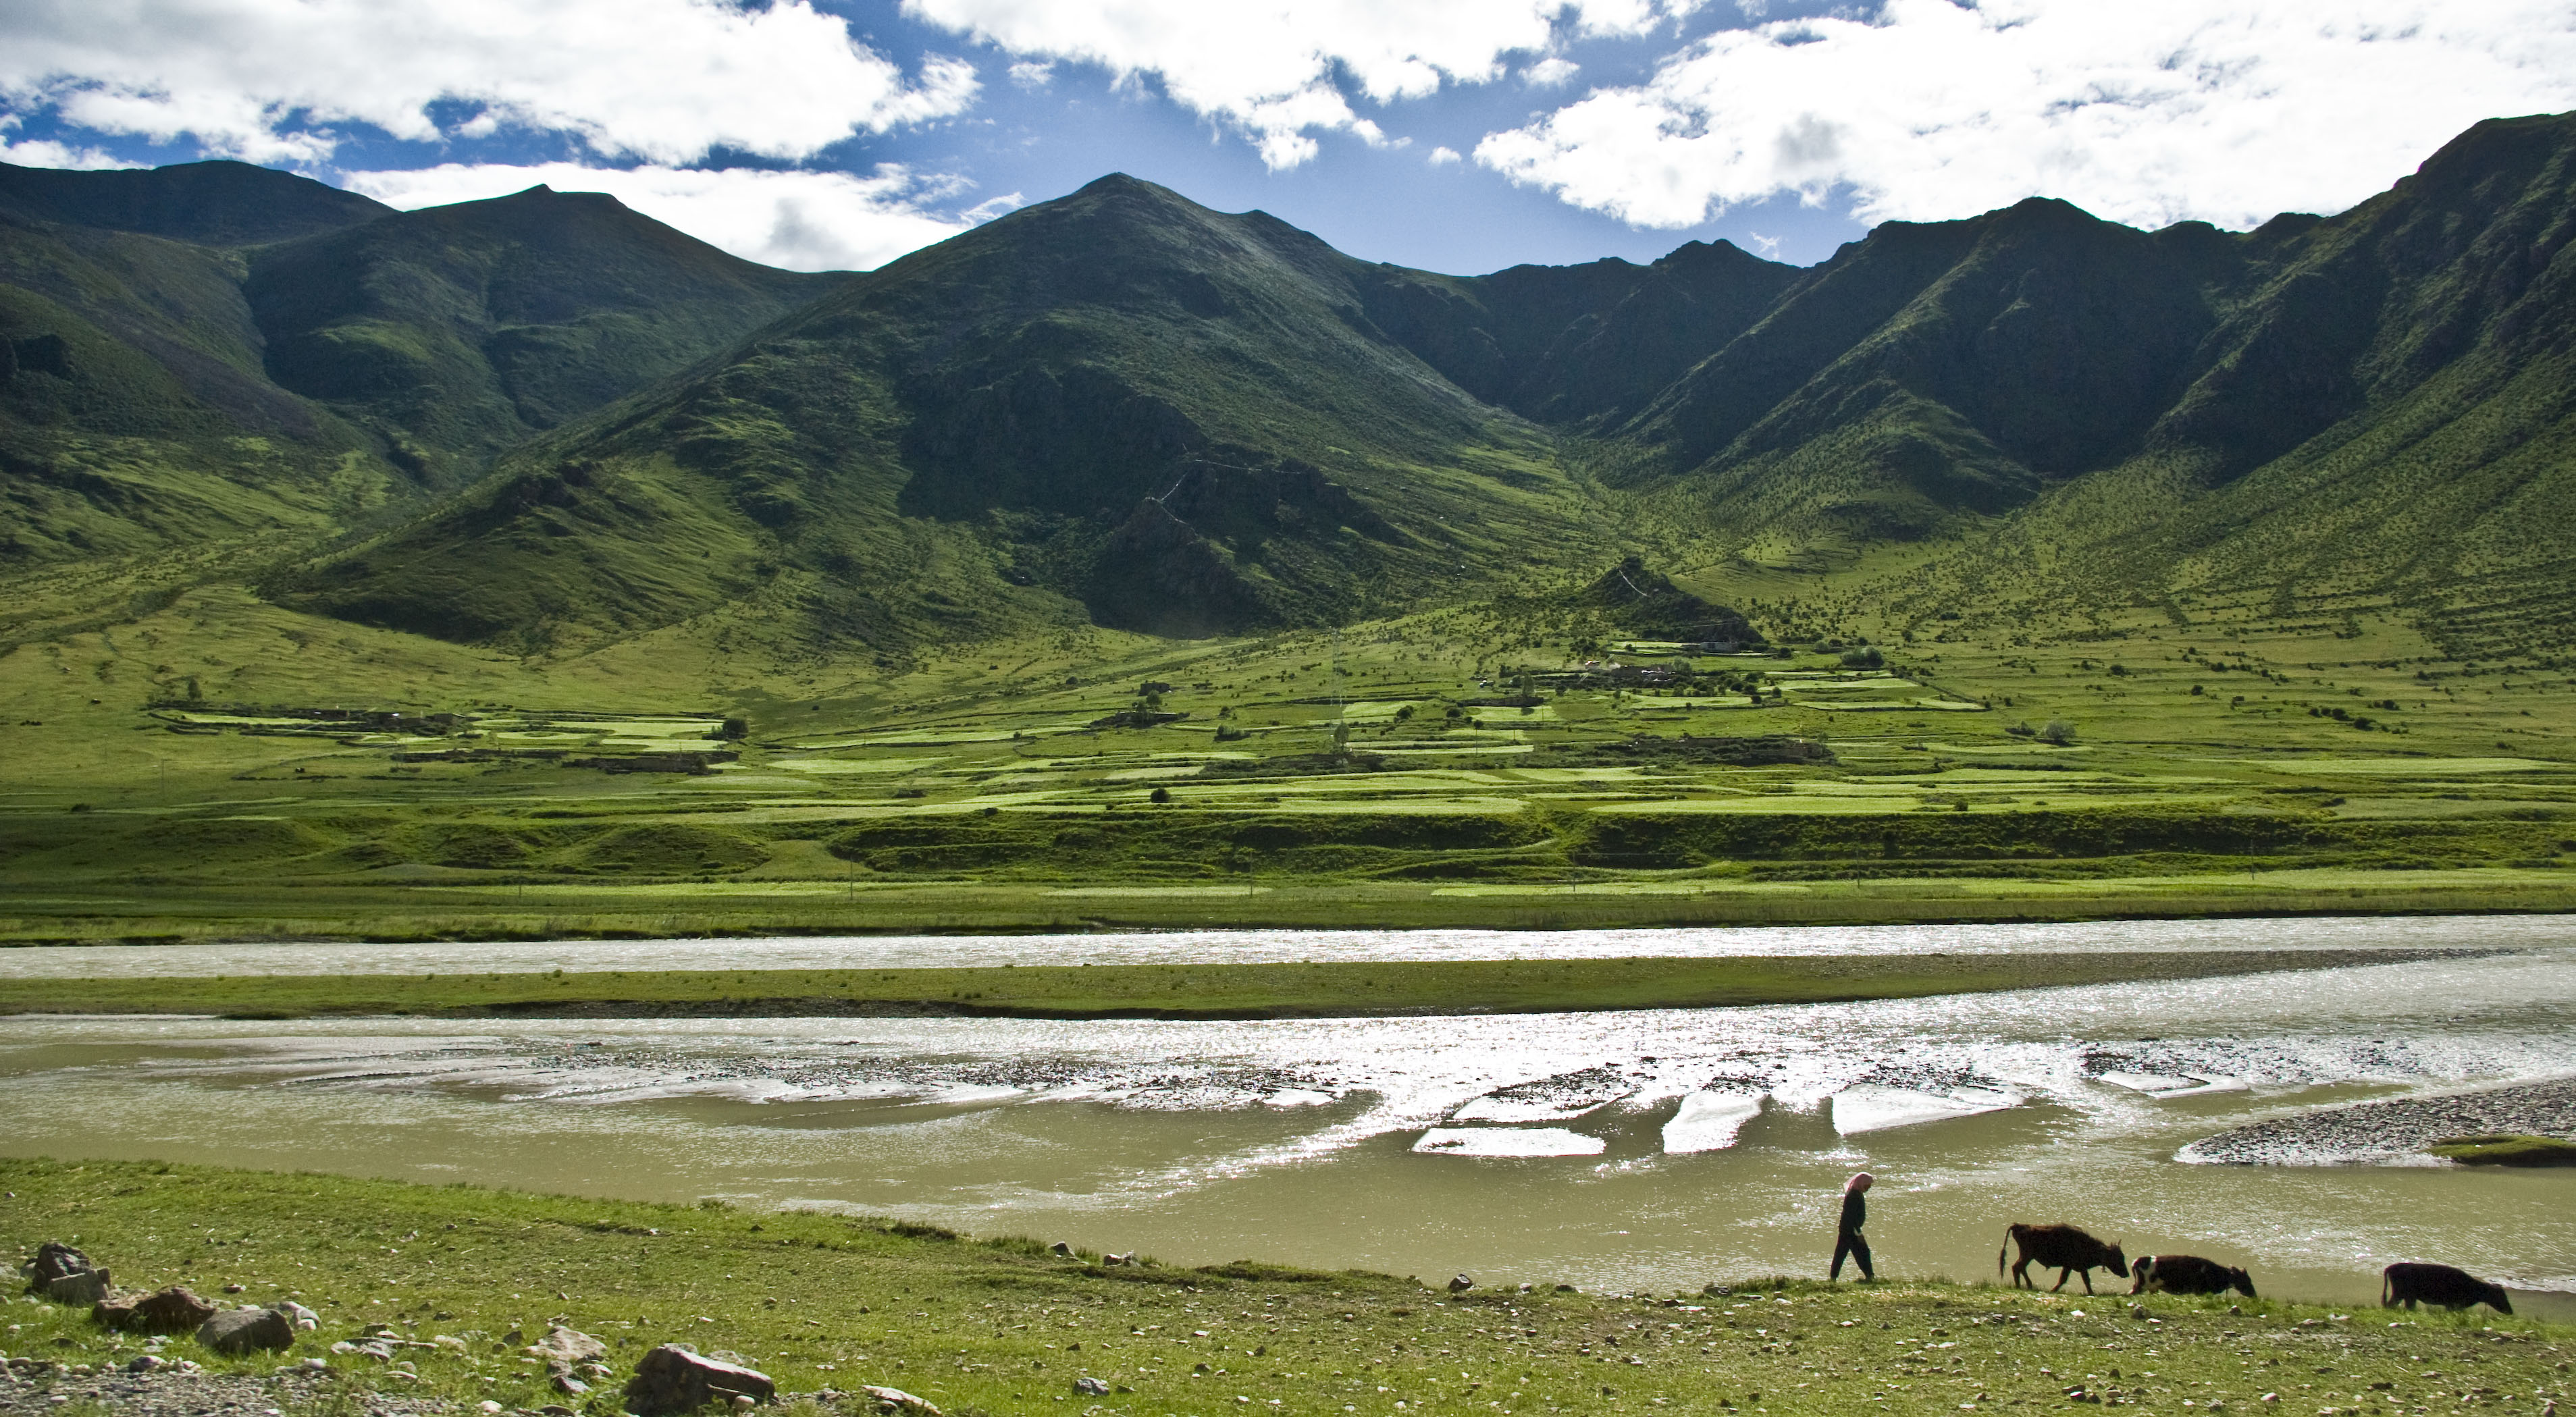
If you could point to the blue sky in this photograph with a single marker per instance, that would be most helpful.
(1456, 135)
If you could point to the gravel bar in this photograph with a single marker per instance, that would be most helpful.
(2403, 1126)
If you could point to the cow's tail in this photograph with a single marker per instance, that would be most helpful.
(1999, 1254)
(2384, 1301)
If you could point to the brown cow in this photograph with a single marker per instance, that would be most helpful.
(2062, 1248)
(2443, 1287)
(2188, 1274)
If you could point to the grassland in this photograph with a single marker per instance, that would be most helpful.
(1002, 1326)
(1238, 991)
(171, 778)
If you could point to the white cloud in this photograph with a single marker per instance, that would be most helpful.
(804, 221)
(1551, 73)
(2224, 110)
(1443, 156)
(45, 152)
(1273, 69)
(1033, 74)
(660, 80)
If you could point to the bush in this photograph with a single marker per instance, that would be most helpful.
(1868, 658)
(2057, 731)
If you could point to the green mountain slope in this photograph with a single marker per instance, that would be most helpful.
(458, 331)
(213, 351)
(1118, 406)
(2388, 409)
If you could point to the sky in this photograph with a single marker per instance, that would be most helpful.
(1451, 135)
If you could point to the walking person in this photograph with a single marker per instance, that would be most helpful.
(1847, 1237)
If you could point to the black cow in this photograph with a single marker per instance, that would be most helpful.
(2062, 1248)
(2405, 1282)
(2188, 1274)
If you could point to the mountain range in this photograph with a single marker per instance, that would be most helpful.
(547, 422)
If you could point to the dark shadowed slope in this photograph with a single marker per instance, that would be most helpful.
(206, 203)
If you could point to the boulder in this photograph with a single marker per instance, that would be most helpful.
(673, 1379)
(564, 1347)
(237, 1331)
(1460, 1284)
(53, 1261)
(87, 1287)
(895, 1399)
(172, 1310)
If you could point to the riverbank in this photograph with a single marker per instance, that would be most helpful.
(1003, 1326)
(1178, 991)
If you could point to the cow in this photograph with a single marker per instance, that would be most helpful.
(2405, 1282)
(2062, 1248)
(2188, 1274)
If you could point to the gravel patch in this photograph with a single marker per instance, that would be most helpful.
(2381, 1131)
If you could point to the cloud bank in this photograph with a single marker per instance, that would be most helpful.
(801, 221)
(664, 81)
(1274, 69)
(2227, 111)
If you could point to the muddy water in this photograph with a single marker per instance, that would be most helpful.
(1673, 1147)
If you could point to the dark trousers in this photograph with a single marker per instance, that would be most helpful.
(1850, 1243)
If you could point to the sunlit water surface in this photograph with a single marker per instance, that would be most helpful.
(1688, 1146)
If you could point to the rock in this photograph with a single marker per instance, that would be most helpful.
(1460, 1284)
(567, 1384)
(567, 1346)
(173, 1310)
(147, 1363)
(87, 1287)
(895, 1399)
(53, 1261)
(1127, 1258)
(242, 1330)
(1061, 1248)
(1091, 1387)
(304, 1319)
(673, 1379)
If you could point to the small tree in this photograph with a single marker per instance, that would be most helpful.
(2057, 731)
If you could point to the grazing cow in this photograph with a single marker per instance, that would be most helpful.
(2188, 1274)
(2062, 1248)
(2440, 1285)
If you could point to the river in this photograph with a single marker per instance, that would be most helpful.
(1644, 1150)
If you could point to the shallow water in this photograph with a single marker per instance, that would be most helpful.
(1296, 1140)
(1256, 946)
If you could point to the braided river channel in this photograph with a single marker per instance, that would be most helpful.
(1657, 1149)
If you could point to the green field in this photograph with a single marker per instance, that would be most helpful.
(1314, 778)
(991, 1326)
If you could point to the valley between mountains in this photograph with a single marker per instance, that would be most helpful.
(526, 567)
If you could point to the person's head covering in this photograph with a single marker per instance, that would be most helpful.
(1859, 1182)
